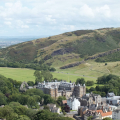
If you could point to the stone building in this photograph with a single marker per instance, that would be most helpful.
(56, 89)
(88, 99)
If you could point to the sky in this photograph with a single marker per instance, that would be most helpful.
(52, 17)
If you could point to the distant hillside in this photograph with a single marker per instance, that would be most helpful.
(65, 48)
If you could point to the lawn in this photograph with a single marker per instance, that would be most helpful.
(89, 71)
(18, 74)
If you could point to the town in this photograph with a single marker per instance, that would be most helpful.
(79, 104)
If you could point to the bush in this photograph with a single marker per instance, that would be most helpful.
(89, 83)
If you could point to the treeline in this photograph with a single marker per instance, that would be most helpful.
(15, 111)
(35, 66)
(110, 83)
(82, 81)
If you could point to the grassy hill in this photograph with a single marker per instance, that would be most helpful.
(65, 48)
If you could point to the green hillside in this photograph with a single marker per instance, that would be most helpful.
(65, 48)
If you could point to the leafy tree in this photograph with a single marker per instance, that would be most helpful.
(3, 99)
(89, 83)
(80, 81)
(47, 75)
(30, 83)
(52, 69)
(105, 63)
(38, 76)
(48, 99)
(31, 102)
(23, 117)
(92, 89)
(60, 98)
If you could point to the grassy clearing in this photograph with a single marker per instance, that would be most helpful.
(18, 74)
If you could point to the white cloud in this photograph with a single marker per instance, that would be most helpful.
(86, 11)
(24, 26)
(7, 23)
(104, 10)
(59, 15)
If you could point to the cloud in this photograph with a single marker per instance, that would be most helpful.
(7, 23)
(86, 11)
(55, 16)
(24, 26)
(104, 10)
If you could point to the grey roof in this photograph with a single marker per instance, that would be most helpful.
(117, 110)
(111, 94)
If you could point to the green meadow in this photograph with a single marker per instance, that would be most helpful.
(89, 71)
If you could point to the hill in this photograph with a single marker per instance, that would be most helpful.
(66, 49)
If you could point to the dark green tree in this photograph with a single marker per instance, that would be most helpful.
(38, 76)
(80, 81)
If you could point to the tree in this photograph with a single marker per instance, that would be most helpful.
(60, 98)
(105, 63)
(38, 76)
(47, 75)
(23, 117)
(30, 83)
(80, 81)
(48, 99)
(3, 99)
(89, 83)
(52, 69)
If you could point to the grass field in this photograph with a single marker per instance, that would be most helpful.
(89, 71)
(18, 74)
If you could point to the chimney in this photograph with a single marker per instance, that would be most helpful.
(102, 108)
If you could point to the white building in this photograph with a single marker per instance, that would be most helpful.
(115, 100)
(73, 103)
(116, 114)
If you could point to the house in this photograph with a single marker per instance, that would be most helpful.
(115, 100)
(53, 108)
(111, 94)
(89, 99)
(64, 102)
(73, 103)
(98, 114)
(105, 113)
(116, 114)
(82, 110)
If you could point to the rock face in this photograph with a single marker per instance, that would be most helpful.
(91, 57)
(103, 54)
(24, 86)
(72, 65)
(62, 51)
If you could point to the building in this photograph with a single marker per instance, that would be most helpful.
(73, 103)
(56, 89)
(64, 102)
(82, 110)
(116, 114)
(110, 94)
(115, 100)
(105, 113)
(53, 108)
(88, 99)
(97, 114)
